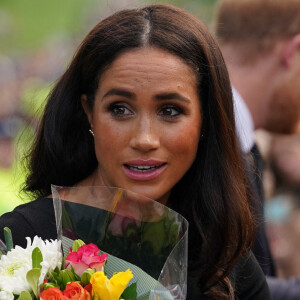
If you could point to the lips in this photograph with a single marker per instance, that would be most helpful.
(144, 170)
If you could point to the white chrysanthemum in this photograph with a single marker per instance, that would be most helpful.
(13, 269)
(6, 295)
(52, 255)
(15, 265)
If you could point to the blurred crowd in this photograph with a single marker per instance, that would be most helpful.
(282, 189)
(24, 83)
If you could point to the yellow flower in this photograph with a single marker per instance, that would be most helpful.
(110, 289)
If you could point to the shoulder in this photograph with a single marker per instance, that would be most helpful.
(250, 281)
(30, 219)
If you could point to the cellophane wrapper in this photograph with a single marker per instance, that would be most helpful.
(137, 233)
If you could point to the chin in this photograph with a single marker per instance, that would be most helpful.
(148, 193)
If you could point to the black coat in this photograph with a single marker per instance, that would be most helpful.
(261, 248)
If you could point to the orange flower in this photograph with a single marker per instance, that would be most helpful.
(52, 293)
(75, 291)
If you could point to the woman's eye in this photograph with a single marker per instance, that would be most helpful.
(170, 112)
(119, 110)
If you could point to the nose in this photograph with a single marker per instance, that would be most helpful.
(145, 137)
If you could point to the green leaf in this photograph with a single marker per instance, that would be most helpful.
(37, 258)
(8, 238)
(155, 235)
(48, 285)
(25, 296)
(130, 292)
(54, 275)
(32, 277)
(63, 262)
(66, 277)
(86, 276)
(77, 244)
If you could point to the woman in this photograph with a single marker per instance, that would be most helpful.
(146, 105)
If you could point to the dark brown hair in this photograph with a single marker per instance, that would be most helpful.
(256, 24)
(212, 194)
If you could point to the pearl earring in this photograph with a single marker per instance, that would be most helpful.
(91, 131)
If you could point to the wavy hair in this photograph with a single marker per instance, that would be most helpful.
(212, 194)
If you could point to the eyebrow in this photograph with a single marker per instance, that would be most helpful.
(118, 92)
(170, 96)
(130, 95)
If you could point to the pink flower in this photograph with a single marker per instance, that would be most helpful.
(118, 224)
(87, 257)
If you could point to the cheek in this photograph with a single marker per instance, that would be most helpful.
(109, 138)
(184, 141)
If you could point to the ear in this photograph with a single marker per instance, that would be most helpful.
(290, 49)
(87, 109)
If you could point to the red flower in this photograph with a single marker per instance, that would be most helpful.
(52, 293)
(86, 257)
(45, 281)
(75, 291)
(89, 288)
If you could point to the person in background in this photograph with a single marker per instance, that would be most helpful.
(285, 159)
(146, 105)
(260, 41)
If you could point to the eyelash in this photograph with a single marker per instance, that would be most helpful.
(114, 106)
(120, 106)
(179, 111)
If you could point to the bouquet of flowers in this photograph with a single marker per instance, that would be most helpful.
(41, 272)
(143, 250)
(138, 233)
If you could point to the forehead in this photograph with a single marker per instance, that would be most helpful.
(149, 64)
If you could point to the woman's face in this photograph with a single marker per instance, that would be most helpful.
(146, 122)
